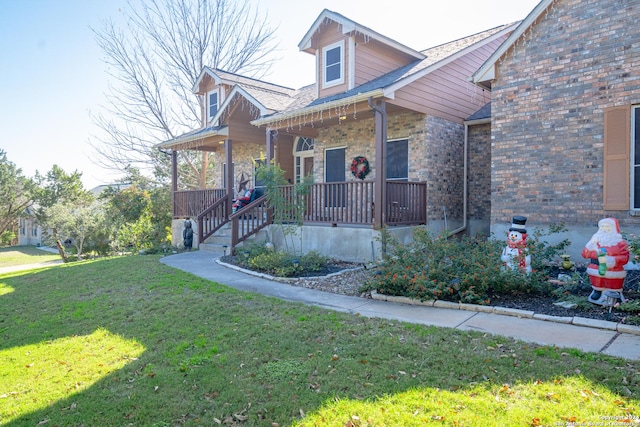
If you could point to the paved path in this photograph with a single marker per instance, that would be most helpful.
(625, 344)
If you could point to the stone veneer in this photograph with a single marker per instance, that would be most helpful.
(435, 154)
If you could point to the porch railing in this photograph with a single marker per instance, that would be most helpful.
(190, 203)
(349, 202)
(212, 219)
(249, 220)
(352, 202)
(406, 203)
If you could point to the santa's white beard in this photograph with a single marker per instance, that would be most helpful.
(604, 238)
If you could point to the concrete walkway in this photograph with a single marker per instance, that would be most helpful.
(591, 336)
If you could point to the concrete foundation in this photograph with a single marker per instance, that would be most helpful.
(354, 244)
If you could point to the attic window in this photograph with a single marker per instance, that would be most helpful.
(212, 103)
(333, 61)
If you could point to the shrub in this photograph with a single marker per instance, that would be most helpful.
(278, 263)
(458, 269)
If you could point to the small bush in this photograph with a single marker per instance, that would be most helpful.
(278, 263)
(459, 269)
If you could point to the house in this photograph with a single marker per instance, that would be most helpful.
(565, 98)
(29, 232)
(377, 106)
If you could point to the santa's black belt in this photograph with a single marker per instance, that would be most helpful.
(594, 261)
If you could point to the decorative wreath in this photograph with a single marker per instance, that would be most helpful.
(360, 167)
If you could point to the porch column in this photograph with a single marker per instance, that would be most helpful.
(269, 154)
(174, 179)
(229, 177)
(380, 182)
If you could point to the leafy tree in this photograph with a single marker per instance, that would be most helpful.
(156, 58)
(58, 186)
(76, 223)
(16, 194)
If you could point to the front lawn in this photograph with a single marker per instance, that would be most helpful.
(129, 341)
(21, 255)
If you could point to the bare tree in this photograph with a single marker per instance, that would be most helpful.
(155, 59)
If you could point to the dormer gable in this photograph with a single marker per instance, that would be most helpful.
(217, 86)
(349, 54)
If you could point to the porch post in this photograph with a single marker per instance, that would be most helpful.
(174, 179)
(379, 211)
(269, 154)
(229, 177)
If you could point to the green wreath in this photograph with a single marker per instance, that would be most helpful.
(360, 167)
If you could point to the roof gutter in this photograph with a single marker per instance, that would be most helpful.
(360, 97)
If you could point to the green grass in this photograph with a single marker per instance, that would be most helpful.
(129, 341)
(21, 255)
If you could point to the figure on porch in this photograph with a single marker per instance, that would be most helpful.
(608, 253)
(187, 235)
(515, 254)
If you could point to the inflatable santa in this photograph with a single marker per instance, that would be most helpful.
(608, 253)
(515, 255)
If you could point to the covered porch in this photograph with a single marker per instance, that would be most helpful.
(357, 204)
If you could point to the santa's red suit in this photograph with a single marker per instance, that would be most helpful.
(617, 255)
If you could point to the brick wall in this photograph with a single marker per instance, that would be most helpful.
(479, 175)
(547, 110)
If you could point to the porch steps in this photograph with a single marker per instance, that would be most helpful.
(220, 242)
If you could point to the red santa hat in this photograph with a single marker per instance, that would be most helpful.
(613, 223)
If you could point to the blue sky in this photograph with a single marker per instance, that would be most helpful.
(52, 75)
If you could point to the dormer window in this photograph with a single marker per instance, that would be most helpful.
(333, 60)
(212, 103)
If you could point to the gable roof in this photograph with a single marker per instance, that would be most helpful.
(349, 26)
(224, 77)
(486, 73)
(385, 85)
(266, 97)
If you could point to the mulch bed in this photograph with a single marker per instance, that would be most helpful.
(350, 281)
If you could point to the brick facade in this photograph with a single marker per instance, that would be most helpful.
(548, 103)
(479, 175)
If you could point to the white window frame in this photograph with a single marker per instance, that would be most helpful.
(299, 156)
(635, 198)
(401, 179)
(325, 51)
(217, 93)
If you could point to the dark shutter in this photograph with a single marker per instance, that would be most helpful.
(617, 146)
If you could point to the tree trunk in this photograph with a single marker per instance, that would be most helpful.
(61, 250)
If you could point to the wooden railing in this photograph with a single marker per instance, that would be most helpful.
(349, 202)
(212, 219)
(249, 220)
(352, 202)
(189, 204)
(406, 203)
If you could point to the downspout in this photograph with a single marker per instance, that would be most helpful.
(464, 185)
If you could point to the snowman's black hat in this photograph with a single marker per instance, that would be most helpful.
(518, 223)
